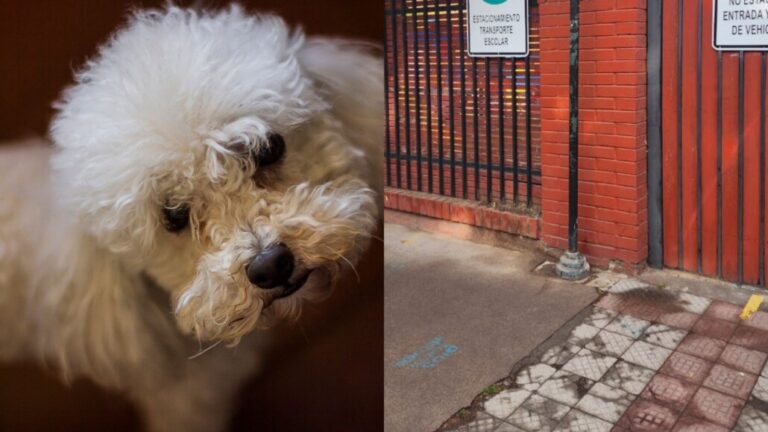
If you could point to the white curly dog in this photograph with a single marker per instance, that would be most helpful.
(211, 170)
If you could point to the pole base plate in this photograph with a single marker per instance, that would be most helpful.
(572, 266)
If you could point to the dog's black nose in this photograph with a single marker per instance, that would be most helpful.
(272, 267)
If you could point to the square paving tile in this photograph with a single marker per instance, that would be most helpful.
(606, 403)
(690, 424)
(702, 346)
(725, 311)
(752, 419)
(559, 355)
(628, 377)
(663, 335)
(646, 355)
(758, 320)
(504, 403)
(648, 416)
(538, 414)
(605, 280)
(531, 377)
(481, 423)
(506, 427)
(610, 343)
(714, 328)
(687, 367)
(625, 285)
(682, 320)
(565, 387)
(589, 364)
(715, 407)
(760, 391)
(628, 326)
(645, 309)
(600, 317)
(751, 337)
(578, 421)
(669, 391)
(730, 381)
(744, 359)
(611, 301)
(582, 334)
(693, 303)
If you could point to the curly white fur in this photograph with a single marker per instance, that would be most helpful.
(91, 283)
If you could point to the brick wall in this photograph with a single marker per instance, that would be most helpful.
(612, 128)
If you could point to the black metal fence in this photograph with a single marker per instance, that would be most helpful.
(459, 126)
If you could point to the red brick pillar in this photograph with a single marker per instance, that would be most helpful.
(612, 128)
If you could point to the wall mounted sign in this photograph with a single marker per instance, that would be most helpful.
(740, 25)
(497, 28)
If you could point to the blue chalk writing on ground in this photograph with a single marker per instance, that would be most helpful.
(428, 356)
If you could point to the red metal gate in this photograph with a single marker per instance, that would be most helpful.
(712, 111)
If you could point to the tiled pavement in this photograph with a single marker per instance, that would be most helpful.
(645, 359)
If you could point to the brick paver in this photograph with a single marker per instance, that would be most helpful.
(714, 328)
(669, 391)
(730, 381)
(685, 366)
(715, 407)
(724, 311)
(744, 359)
(702, 346)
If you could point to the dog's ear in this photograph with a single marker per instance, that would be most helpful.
(349, 75)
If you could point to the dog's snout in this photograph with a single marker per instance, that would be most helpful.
(272, 267)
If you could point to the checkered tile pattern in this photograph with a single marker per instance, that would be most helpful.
(644, 359)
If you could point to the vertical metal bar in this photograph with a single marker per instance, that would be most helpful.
(396, 77)
(740, 217)
(488, 150)
(528, 144)
(417, 89)
(573, 129)
(655, 121)
(407, 88)
(451, 113)
(476, 126)
(762, 169)
(428, 63)
(515, 140)
(438, 39)
(698, 139)
(680, 134)
(462, 36)
(391, 34)
(719, 163)
(501, 128)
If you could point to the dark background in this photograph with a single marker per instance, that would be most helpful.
(42, 41)
(326, 374)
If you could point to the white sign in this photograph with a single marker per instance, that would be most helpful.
(497, 28)
(740, 25)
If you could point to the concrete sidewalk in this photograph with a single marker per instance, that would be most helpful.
(458, 316)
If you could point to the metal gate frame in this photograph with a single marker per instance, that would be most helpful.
(731, 112)
(443, 154)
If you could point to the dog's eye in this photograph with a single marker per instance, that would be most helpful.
(176, 218)
(271, 153)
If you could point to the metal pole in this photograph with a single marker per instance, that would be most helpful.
(573, 265)
(655, 204)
